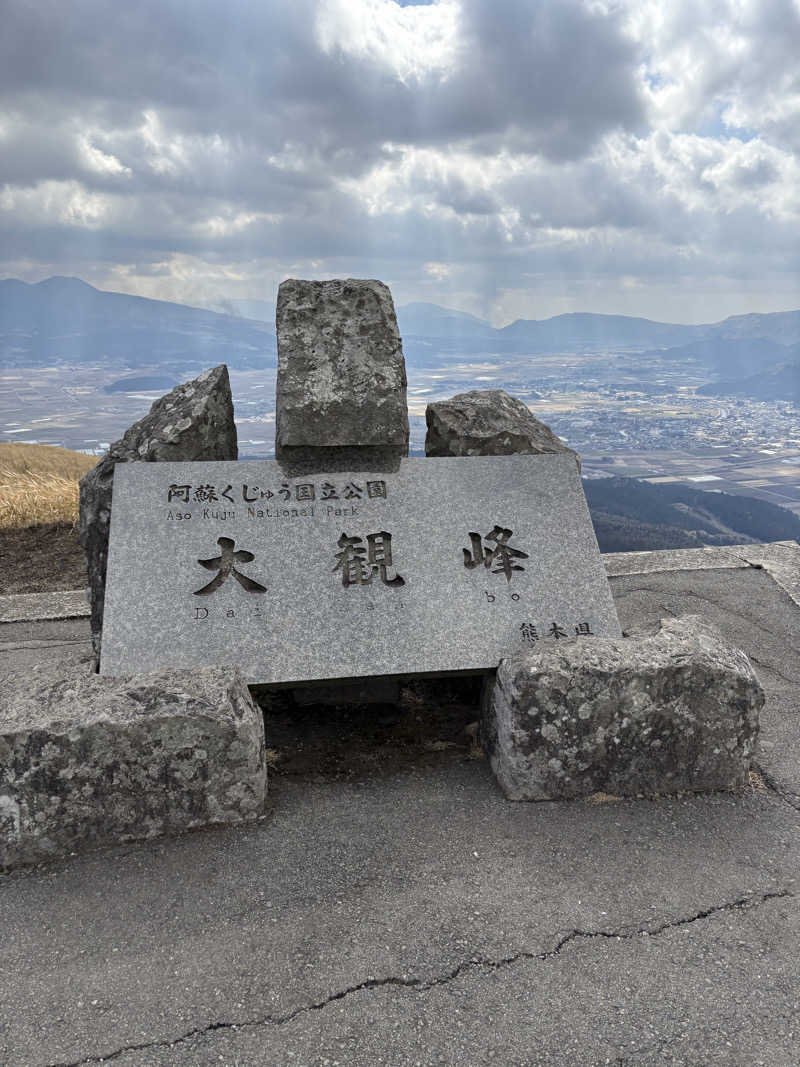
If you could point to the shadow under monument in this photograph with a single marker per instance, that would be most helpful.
(432, 723)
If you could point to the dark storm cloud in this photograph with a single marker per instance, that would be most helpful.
(179, 114)
(553, 75)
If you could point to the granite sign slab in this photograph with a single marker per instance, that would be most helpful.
(446, 565)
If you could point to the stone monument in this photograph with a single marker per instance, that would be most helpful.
(443, 565)
(342, 561)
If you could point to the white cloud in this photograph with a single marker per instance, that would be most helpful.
(729, 62)
(99, 161)
(412, 42)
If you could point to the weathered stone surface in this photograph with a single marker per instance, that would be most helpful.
(194, 421)
(487, 422)
(341, 389)
(669, 711)
(86, 760)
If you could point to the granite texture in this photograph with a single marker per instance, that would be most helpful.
(487, 422)
(341, 388)
(194, 421)
(659, 713)
(264, 575)
(87, 761)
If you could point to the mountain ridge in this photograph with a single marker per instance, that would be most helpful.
(36, 320)
(66, 320)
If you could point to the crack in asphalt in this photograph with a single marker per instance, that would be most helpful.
(421, 985)
(744, 559)
(792, 799)
(28, 646)
(772, 670)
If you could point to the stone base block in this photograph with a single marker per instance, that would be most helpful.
(88, 760)
(661, 713)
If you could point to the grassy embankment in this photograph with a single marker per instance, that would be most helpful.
(39, 484)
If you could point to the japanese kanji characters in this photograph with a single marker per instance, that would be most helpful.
(224, 563)
(300, 491)
(356, 570)
(502, 554)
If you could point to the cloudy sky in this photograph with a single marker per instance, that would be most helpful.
(513, 158)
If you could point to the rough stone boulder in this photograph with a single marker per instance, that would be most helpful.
(193, 422)
(659, 713)
(341, 389)
(487, 422)
(86, 760)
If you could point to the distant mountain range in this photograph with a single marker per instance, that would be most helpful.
(65, 320)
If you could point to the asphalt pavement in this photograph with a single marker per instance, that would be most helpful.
(409, 914)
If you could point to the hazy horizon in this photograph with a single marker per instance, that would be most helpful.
(218, 306)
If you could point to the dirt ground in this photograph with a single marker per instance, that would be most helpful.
(434, 722)
(38, 559)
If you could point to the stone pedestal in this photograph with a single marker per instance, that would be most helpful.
(662, 713)
(87, 761)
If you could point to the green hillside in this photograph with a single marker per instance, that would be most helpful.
(631, 515)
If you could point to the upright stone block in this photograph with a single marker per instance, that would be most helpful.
(487, 422)
(341, 389)
(86, 760)
(671, 711)
(193, 422)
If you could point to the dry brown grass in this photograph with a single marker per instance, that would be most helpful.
(39, 483)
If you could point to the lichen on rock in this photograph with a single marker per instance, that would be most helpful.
(88, 760)
(657, 713)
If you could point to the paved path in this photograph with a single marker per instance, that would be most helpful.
(416, 917)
